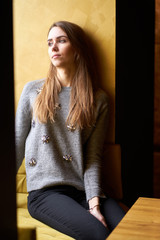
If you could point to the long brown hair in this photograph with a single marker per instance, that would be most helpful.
(81, 110)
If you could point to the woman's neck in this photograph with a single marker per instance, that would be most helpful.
(65, 76)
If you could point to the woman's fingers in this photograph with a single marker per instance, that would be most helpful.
(96, 213)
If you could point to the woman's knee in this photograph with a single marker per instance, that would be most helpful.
(97, 232)
(112, 212)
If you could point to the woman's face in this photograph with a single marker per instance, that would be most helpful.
(60, 50)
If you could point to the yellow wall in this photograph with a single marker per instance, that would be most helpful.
(31, 21)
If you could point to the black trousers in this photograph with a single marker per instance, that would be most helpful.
(65, 209)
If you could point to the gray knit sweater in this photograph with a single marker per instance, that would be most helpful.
(55, 155)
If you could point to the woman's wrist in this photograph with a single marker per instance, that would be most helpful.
(94, 207)
(94, 202)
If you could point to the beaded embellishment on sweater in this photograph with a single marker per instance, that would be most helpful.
(45, 139)
(71, 128)
(39, 90)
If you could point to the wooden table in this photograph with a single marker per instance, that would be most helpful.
(142, 222)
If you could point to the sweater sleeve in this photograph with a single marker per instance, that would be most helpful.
(93, 153)
(22, 124)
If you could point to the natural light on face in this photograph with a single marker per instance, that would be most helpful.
(60, 50)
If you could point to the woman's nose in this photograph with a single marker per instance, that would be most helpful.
(54, 47)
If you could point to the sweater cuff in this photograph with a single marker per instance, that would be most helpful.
(95, 192)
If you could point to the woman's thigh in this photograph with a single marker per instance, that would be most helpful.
(64, 214)
(112, 212)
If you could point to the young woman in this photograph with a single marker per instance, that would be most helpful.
(60, 129)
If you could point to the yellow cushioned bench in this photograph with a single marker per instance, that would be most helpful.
(111, 179)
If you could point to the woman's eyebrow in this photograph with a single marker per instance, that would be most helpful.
(50, 39)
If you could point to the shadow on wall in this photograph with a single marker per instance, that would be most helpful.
(98, 55)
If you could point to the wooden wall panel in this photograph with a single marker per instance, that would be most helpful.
(157, 102)
(157, 76)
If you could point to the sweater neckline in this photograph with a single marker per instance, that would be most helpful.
(65, 89)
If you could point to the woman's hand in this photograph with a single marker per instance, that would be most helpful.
(96, 213)
(94, 209)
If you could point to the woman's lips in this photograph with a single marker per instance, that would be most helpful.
(56, 56)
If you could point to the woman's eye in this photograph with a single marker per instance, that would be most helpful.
(62, 41)
(50, 44)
